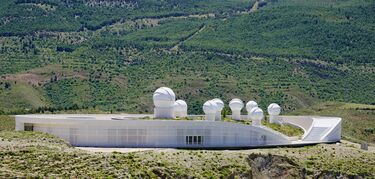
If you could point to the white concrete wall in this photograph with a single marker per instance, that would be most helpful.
(103, 131)
(155, 133)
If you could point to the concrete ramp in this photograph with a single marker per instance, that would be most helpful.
(316, 133)
(317, 129)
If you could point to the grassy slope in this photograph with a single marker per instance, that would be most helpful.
(31, 154)
(21, 95)
(7, 123)
(287, 130)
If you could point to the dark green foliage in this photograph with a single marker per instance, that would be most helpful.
(27, 16)
(340, 32)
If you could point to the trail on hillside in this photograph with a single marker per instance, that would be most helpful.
(176, 47)
(255, 7)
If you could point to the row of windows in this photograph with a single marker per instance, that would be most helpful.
(194, 140)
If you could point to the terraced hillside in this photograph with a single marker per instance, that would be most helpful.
(111, 55)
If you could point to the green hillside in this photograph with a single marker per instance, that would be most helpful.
(111, 55)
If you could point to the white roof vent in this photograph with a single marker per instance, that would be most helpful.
(250, 105)
(164, 97)
(180, 108)
(220, 103)
(220, 106)
(256, 114)
(180, 105)
(210, 107)
(274, 109)
(236, 104)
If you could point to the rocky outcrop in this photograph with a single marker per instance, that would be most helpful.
(274, 166)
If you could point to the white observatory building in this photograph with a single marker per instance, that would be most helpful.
(220, 106)
(249, 106)
(162, 129)
(256, 116)
(274, 112)
(180, 108)
(236, 106)
(164, 99)
(210, 108)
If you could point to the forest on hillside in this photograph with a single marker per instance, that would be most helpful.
(111, 55)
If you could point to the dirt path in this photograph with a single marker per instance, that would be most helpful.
(176, 47)
(255, 7)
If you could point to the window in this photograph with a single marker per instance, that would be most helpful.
(194, 140)
(200, 139)
(28, 127)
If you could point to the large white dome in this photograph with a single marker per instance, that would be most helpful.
(210, 107)
(164, 97)
(256, 113)
(250, 105)
(236, 104)
(274, 109)
(219, 103)
(180, 105)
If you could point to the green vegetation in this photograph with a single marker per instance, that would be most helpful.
(332, 31)
(27, 16)
(7, 123)
(285, 129)
(292, 53)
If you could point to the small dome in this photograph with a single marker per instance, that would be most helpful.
(164, 97)
(256, 113)
(219, 103)
(250, 105)
(236, 104)
(210, 107)
(274, 109)
(180, 105)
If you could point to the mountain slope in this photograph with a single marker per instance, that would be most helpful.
(289, 52)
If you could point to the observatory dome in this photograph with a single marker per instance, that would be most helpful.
(256, 113)
(164, 97)
(236, 104)
(250, 105)
(210, 107)
(180, 105)
(219, 102)
(274, 109)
